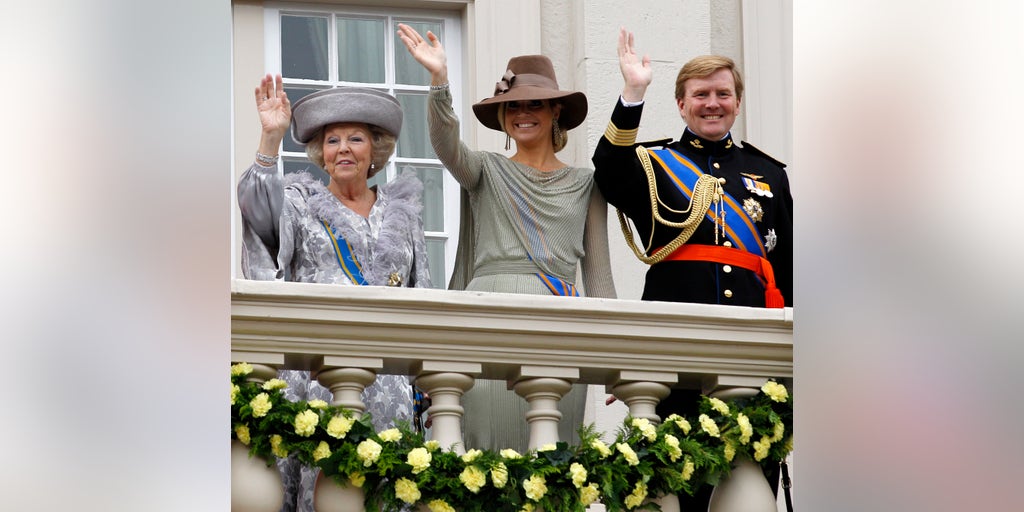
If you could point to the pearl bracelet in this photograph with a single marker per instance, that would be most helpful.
(438, 87)
(266, 160)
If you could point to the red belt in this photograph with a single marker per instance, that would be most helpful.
(736, 257)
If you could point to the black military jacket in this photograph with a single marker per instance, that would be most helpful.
(621, 178)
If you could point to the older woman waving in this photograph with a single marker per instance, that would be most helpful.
(347, 233)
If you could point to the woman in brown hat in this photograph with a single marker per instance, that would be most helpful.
(297, 229)
(531, 217)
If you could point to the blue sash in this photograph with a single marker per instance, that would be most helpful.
(346, 258)
(739, 228)
(558, 286)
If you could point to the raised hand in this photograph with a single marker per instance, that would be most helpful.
(429, 54)
(272, 104)
(636, 72)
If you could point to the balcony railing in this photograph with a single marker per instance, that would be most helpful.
(539, 344)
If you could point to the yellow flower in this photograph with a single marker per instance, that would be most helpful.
(680, 422)
(578, 473)
(674, 452)
(357, 479)
(687, 469)
(589, 494)
(761, 448)
(719, 406)
(273, 384)
(549, 447)
(368, 452)
(407, 491)
(339, 426)
(780, 430)
(499, 475)
(275, 446)
(645, 428)
(473, 478)
(322, 451)
(419, 459)
(317, 404)
(601, 448)
(241, 369)
(745, 429)
(527, 507)
(637, 497)
(235, 390)
(305, 423)
(730, 451)
(775, 391)
(439, 506)
(432, 445)
(390, 435)
(787, 445)
(628, 453)
(708, 425)
(471, 455)
(509, 453)
(535, 487)
(242, 433)
(260, 405)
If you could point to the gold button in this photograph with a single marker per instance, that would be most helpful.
(727, 269)
(727, 243)
(715, 165)
(728, 294)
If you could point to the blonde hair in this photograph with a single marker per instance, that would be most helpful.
(382, 144)
(705, 65)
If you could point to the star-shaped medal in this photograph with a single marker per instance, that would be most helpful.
(769, 240)
(753, 209)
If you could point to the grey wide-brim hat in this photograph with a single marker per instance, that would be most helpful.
(345, 105)
(531, 77)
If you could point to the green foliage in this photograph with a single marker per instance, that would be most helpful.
(645, 460)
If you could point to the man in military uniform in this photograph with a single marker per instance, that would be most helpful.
(728, 252)
(714, 217)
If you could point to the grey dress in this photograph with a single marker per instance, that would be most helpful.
(285, 237)
(500, 251)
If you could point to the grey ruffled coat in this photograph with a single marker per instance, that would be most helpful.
(284, 240)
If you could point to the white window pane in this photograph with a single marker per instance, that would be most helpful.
(304, 47)
(414, 141)
(435, 253)
(433, 194)
(361, 50)
(407, 70)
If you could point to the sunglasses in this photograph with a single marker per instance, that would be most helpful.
(532, 105)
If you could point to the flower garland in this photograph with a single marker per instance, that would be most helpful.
(397, 467)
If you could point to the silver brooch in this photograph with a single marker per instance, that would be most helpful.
(769, 240)
(753, 209)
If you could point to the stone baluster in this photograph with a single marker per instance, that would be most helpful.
(347, 377)
(255, 486)
(745, 489)
(641, 391)
(446, 383)
(543, 387)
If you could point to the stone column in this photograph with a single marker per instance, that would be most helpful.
(641, 391)
(446, 382)
(347, 377)
(543, 387)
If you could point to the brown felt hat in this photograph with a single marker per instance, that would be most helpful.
(345, 105)
(531, 77)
